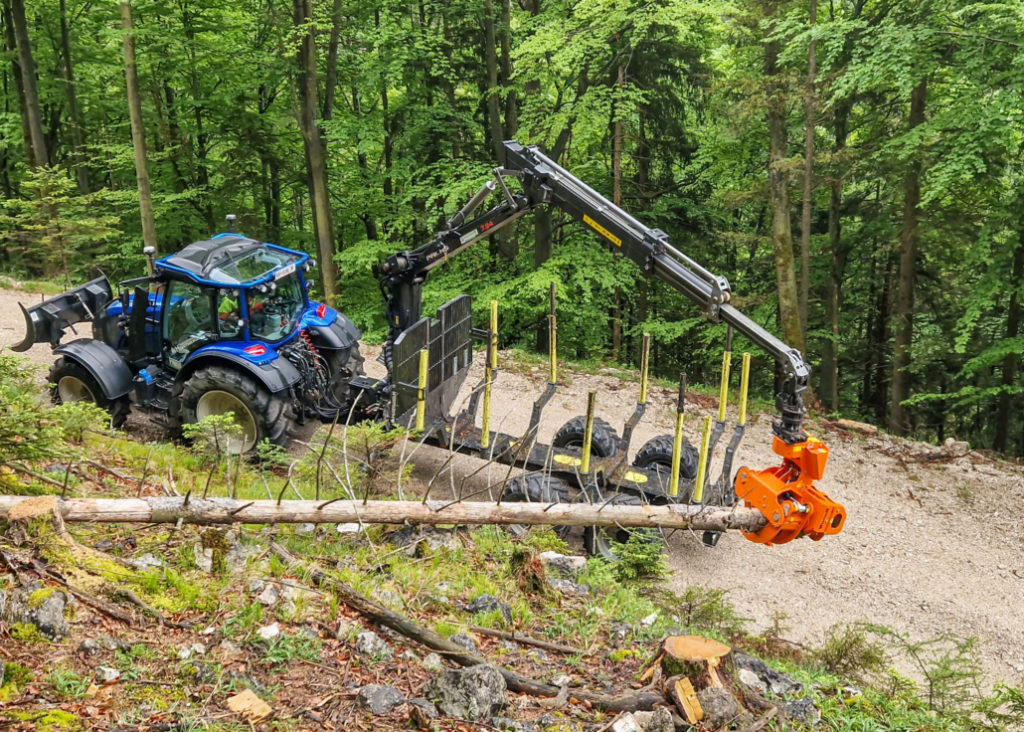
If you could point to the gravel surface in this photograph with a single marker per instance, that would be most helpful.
(932, 545)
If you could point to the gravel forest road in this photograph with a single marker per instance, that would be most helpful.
(933, 545)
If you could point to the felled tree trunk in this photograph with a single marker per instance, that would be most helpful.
(161, 509)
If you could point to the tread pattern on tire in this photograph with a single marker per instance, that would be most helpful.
(657, 451)
(597, 540)
(536, 488)
(603, 443)
(118, 408)
(273, 414)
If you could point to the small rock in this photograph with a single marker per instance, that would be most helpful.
(49, 616)
(955, 448)
(567, 567)
(104, 545)
(229, 649)
(774, 681)
(369, 643)
(649, 620)
(802, 711)
(418, 540)
(475, 693)
(208, 630)
(379, 699)
(256, 585)
(305, 529)
(187, 652)
(660, 720)
(269, 596)
(461, 639)
(348, 528)
(89, 647)
(719, 706)
(567, 587)
(147, 561)
(626, 722)
(269, 632)
(426, 706)
(511, 725)
(111, 643)
(432, 662)
(508, 646)
(537, 655)
(752, 681)
(489, 604)
(561, 680)
(106, 675)
(409, 656)
(620, 631)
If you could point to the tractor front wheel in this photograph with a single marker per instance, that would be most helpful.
(73, 383)
(260, 415)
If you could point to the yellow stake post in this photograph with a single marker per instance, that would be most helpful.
(677, 437)
(588, 432)
(552, 338)
(490, 363)
(645, 355)
(702, 465)
(744, 383)
(421, 391)
(723, 390)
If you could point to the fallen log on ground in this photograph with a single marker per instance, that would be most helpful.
(161, 509)
(630, 701)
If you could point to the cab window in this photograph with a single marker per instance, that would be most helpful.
(188, 320)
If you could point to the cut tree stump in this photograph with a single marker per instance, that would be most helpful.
(695, 657)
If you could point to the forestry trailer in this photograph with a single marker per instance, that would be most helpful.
(227, 327)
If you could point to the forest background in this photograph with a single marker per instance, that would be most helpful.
(853, 167)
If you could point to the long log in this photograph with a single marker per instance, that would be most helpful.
(171, 509)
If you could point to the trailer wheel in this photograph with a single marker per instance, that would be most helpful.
(214, 390)
(601, 541)
(603, 443)
(73, 383)
(536, 488)
(344, 365)
(656, 454)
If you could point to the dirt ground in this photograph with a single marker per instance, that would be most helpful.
(932, 545)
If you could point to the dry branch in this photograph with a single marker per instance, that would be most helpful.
(627, 702)
(161, 509)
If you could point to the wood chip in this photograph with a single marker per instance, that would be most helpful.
(249, 706)
(686, 699)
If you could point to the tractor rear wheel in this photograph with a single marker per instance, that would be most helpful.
(215, 390)
(73, 383)
(344, 365)
(536, 488)
(603, 443)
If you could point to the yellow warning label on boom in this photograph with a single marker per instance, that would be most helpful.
(602, 231)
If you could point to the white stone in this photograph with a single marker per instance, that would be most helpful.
(269, 632)
(347, 528)
(269, 596)
(106, 675)
(625, 723)
(649, 620)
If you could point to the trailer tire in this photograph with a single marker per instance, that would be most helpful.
(536, 488)
(656, 454)
(218, 390)
(599, 541)
(72, 382)
(603, 443)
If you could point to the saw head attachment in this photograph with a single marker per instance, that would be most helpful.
(786, 495)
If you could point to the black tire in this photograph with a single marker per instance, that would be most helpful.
(344, 365)
(536, 488)
(603, 443)
(656, 454)
(73, 383)
(269, 416)
(600, 541)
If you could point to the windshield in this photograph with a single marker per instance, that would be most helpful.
(274, 313)
(253, 265)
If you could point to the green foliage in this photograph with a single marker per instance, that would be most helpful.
(852, 651)
(28, 430)
(77, 418)
(68, 683)
(641, 559)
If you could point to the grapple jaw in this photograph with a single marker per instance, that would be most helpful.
(786, 495)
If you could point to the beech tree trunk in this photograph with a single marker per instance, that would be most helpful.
(157, 510)
(782, 233)
(28, 83)
(1009, 368)
(12, 51)
(131, 75)
(77, 131)
(808, 197)
(316, 153)
(898, 422)
(830, 352)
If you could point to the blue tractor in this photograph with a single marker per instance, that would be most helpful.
(227, 328)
